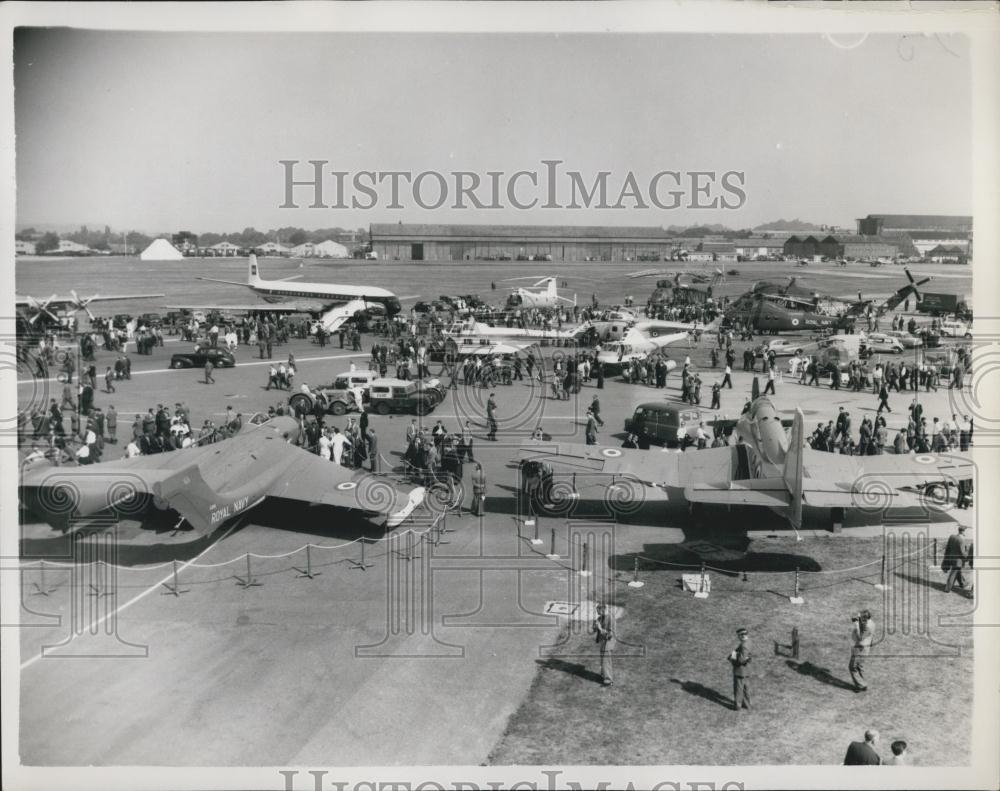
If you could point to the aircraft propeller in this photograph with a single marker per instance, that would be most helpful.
(42, 307)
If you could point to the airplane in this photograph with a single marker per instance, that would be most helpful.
(766, 467)
(475, 333)
(637, 339)
(34, 309)
(333, 303)
(533, 297)
(210, 485)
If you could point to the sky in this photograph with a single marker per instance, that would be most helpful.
(167, 131)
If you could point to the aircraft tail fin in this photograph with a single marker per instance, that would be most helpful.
(253, 273)
(189, 495)
(755, 390)
(793, 471)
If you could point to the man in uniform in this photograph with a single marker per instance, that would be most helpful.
(603, 628)
(862, 632)
(739, 658)
(957, 555)
(478, 489)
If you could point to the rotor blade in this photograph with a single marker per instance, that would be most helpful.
(925, 280)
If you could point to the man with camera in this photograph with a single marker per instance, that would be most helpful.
(862, 633)
(603, 627)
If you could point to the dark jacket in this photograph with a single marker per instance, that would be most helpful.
(861, 754)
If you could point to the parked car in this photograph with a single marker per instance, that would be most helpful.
(661, 421)
(150, 320)
(338, 396)
(221, 358)
(955, 329)
(883, 343)
(908, 341)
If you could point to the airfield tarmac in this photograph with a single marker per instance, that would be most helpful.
(426, 660)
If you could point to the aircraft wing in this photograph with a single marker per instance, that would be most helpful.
(312, 479)
(770, 492)
(302, 306)
(62, 302)
(832, 480)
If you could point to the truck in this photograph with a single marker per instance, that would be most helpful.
(944, 305)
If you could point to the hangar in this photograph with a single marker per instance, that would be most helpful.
(415, 242)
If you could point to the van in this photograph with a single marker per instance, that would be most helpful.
(662, 420)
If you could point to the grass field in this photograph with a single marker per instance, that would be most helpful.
(672, 698)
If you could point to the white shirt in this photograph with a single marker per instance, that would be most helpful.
(324, 446)
(131, 450)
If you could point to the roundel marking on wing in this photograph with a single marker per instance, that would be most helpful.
(795, 322)
(925, 459)
(611, 453)
(346, 486)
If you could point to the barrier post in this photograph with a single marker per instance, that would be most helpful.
(795, 598)
(307, 572)
(636, 582)
(360, 564)
(41, 589)
(795, 642)
(444, 525)
(249, 581)
(702, 592)
(882, 585)
(536, 540)
(584, 571)
(932, 565)
(175, 588)
(553, 555)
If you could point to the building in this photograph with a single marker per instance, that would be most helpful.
(875, 224)
(272, 248)
(411, 242)
(24, 247)
(943, 254)
(719, 251)
(752, 249)
(223, 249)
(843, 246)
(66, 247)
(161, 250)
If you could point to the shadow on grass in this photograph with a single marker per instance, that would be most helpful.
(689, 557)
(701, 691)
(919, 580)
(572, 668)
(821, 674)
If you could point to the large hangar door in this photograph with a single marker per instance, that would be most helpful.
(416, 252)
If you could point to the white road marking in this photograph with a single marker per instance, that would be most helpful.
(96, 624)
(298, 360)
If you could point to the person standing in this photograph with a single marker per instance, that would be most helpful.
(727, 378)
(739, 658)
(863, 753)
(208, 372)
(716, 396)
(603, 627)
(591, 430)
(957, 555)
(478, 489)
(109, 380)
(111, 421)
(595, 407)
(862, 633)
(491, 409)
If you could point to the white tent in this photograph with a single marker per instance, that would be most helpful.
(329, 249)
(160, 250)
